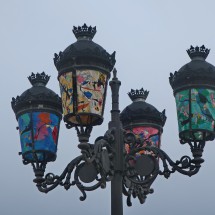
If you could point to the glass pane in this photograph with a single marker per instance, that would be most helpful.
(149, 134)
(25, 132)
(91, 86)
(203, 109)
(182, 105)
(43, 128)
(66, 89)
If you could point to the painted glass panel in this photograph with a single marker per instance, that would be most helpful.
(66, 88)
(202, 113)
(91, 89)
(203, 109)
(25, 132)
(182, 105)
(38, 131)
(150, 134)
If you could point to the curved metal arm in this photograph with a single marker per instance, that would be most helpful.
(142, 165)
(94, 165)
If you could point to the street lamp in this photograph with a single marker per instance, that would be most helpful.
(129, 153)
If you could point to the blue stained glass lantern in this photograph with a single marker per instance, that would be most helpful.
(194, 91)
(38, 112)
(83, 72)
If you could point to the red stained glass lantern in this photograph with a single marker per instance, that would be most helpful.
(143, 119)
(84, 70)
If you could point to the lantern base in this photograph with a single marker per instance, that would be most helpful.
(196, 135)
(83, 119)
(38, 156)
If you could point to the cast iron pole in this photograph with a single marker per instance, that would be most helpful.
(116, 183)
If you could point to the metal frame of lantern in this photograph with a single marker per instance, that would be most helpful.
(87, 67)
(38, 112)
(190, 85)
(106, 159)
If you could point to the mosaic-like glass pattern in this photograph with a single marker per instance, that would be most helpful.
(90, 89)
(66, 88)
(91, 86)
(182, 104)
(202, 109)
(38, 131)
(149, 134)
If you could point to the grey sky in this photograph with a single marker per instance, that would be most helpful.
(150, 39)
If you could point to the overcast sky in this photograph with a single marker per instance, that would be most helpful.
(150, 39)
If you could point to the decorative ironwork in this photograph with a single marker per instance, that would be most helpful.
(84, 31)
(84, 52)
(40, 78)
(196, 73)
(198, 52)
(131, 172)
(138, 94)
(38, 96)
(137, 180)
(94, 165)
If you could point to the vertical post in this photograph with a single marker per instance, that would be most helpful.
(116, 183)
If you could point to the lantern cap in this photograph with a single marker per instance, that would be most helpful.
(84, 32)
(198, 52)
(138, 95)
(39, 79)
(37, 97)
(84, 52)
(141, 112)
(196, 73)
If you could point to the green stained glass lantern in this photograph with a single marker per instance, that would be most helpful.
(143, 120)
(84, 70)
(38, 112)
(194, 91)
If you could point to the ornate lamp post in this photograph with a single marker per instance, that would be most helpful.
(129, 153)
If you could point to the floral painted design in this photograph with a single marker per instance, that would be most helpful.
(201, 114)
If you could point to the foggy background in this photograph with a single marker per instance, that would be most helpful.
(150, 39)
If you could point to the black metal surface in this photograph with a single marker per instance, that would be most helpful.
(88, 173)
(38, 97)
(196, 73)
(141, 112)
(84, 52)
(144, 165)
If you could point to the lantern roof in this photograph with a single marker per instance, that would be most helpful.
(37, 95)
(140, 111)
(197, 73)
(84, 51)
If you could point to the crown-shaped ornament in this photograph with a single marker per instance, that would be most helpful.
(39, 79)
(84, 31)
(198, 52)
(138, 94)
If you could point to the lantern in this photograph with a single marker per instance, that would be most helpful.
(84, 70)
(38, 111)
(194, 91)
(143, 119)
